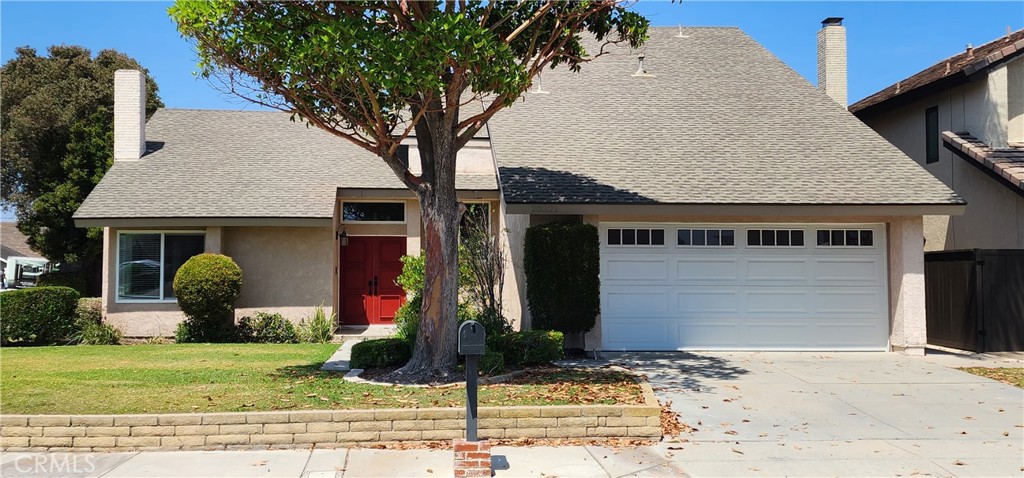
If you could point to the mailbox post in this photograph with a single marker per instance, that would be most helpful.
(472, 345)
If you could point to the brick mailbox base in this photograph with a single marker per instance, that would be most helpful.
(472, 459)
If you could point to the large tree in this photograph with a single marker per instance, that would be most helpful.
(56, 116)
(375, 73)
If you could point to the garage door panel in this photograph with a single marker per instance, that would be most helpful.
(857, 270)
(708, 301)
(847, 302)
(638, 302)
(639, 334)
(745, 297)
(631, 268)
(778, 269)
(778, 301)
(709, 269)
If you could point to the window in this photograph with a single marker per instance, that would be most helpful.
(636, 237)
(147, 262)
(705, 237)
(931, 132)
(373, 212)
(775, 237)
(846, 237)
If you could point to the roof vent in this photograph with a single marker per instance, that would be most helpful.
(970, 49)
(832, 22)
(640, 65)
(680, 34)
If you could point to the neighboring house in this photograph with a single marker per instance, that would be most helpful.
(963, 120)
(20, 264)
(738, 207)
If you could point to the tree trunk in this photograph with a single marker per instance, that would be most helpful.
(434, 354)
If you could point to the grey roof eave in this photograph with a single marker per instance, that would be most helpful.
(767, 210)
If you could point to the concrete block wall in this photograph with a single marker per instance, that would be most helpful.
(321, 428)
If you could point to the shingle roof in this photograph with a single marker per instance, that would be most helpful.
(207, 163)
(1007, 164)
(719, 120)
(947, 73)
(13, 242)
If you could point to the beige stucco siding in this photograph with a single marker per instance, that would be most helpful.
(994, 218)
(286, 270)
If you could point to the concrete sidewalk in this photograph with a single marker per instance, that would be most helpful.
(563, 462)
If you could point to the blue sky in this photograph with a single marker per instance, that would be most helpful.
(886, 41)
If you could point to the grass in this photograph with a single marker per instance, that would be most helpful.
(185, 378)
(1012, 376)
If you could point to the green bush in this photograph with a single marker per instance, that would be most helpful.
(379, 353)
(98, 334)
(206, 287)
(562, 263)
(38, 315)
(407, 319)
(89, 310)
(530, 347)
(74, 280)
(266, 328)
(318, 329)
(494, 323)
(492, 363)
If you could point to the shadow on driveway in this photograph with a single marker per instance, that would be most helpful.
(678, 371)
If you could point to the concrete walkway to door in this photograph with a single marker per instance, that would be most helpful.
(836, 414)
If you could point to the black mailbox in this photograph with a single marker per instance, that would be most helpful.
(471, 338)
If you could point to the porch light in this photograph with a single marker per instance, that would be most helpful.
(343, 237)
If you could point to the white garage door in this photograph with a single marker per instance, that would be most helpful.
(743, 287)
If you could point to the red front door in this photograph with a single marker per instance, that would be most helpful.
(369, 267)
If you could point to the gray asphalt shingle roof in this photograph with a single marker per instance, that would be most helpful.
(721, 121)
(207, 163)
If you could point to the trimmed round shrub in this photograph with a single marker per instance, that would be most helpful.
(377, 353)
(74, 280)
(89, 310)
(267, 328)
(562, 263)
(206, 287)
(38, 315)
(530, 347)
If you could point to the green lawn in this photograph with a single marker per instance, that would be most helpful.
(1012, 376)
(247, 377)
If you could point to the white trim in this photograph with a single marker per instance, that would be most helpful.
(341, 216)
(117, 263)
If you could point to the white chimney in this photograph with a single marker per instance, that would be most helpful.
(129, 114)
(832, 59)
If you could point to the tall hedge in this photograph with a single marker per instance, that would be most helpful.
(562, 285)
(38, 315)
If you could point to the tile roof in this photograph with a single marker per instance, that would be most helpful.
(248, 164)
(716, 120)
(1005, 163)
(951, 71)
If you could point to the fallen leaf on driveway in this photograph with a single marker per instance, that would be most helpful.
(968, 418)
(731, 432)
(737, 451)
(959, 463)
(1006, 434)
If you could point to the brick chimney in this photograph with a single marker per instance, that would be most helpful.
(832, 59)
(129, 114)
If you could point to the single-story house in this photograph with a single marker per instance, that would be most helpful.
(738, 207)
(962, 119)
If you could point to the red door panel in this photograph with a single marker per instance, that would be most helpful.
(369, 267)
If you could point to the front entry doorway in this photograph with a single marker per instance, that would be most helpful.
(369, 267)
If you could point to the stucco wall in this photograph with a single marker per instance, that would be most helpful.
(513, 235)
(286, 270)
(995, 215)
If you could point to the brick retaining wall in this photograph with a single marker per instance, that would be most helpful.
(328, 428)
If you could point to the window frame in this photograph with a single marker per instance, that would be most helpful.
(718, 228)
(405, 212)
(775, 231)
(859, 230)
(931, 135)
(117, 263)
(650, 239)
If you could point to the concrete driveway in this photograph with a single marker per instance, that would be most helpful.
(835, 414)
